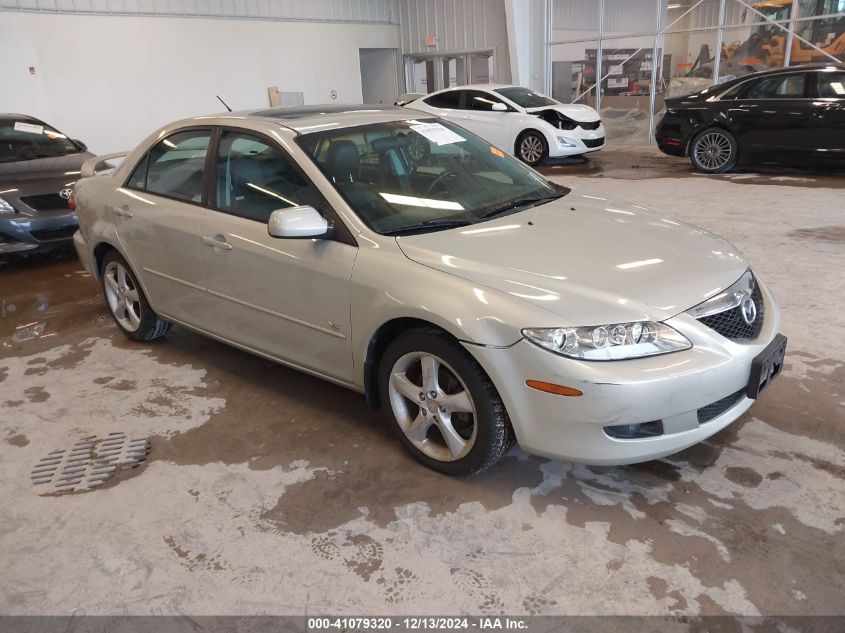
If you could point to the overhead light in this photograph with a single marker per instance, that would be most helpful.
(674, 6)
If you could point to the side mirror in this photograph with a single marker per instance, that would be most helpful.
(303, 222)
(500, 107)
(81, 144)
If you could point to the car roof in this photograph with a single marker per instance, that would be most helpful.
(304, 119)
(19, 117)
(803, 67)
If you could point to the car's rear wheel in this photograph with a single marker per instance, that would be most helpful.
(442, 405)
(128, 305)
(531, 148)
(713, 151)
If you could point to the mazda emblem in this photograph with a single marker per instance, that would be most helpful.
(65, 194)
(749, 310)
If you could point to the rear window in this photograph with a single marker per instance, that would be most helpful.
(451, 100)
(778, 87)
(27, 139)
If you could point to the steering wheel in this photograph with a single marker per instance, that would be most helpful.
(439, 180)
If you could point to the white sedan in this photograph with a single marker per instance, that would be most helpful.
(529, 125)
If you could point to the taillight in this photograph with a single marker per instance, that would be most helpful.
(71, 202)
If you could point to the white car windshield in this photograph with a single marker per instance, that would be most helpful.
(423, 174)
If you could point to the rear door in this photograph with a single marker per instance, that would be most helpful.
(289, 298)
(829, 119)
(491, 125)
(157, 214)
(773, 116)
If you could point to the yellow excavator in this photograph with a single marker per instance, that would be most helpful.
(766, 45)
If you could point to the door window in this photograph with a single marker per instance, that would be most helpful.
(174, 167)
(254, 178)
(778, 87)
(832, 85)
(450, 99)
(477, 100)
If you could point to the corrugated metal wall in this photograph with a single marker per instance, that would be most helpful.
(458, 25)
(352, 11)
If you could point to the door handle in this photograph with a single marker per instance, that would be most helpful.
(123, 211)
(216, 241)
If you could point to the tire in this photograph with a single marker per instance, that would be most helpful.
(126, 301)
(713, 151)
(531, 148)
(466, 404)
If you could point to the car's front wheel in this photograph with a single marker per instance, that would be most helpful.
(713, 151)
(127, 303)
(442, 405)
(531, 148)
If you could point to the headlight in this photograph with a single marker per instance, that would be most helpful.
(5, 207)
(616, 341)
(729, 298)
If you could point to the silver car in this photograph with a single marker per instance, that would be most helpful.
(399, 255)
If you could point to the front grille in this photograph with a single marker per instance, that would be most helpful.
(593, 142)
(45, 202)
(593, 125)
(730, 323)
(60, 233)
(715, 409)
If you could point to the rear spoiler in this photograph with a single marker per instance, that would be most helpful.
(89, 167)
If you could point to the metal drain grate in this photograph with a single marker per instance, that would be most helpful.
(91, 462)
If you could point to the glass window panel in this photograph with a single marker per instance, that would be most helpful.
(626, 69)
(574, 72)
(827, 34)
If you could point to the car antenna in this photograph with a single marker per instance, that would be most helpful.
(224, 103)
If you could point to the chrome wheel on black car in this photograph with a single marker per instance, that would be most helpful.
(713, 151)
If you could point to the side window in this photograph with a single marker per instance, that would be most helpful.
(789, 86)
(450, 99)
(477, 100)
(832, 85)
(174, 167)
(254, 178)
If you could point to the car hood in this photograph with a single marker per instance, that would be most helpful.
(574, 111)
(586, 260)
(57, 167)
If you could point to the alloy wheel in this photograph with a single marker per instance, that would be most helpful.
(122, 296)
(713, 150)
(531, 148)
(432, 406)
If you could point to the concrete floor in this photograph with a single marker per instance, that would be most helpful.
(268, 491)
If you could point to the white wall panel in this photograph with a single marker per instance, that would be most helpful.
(111, 80)
(352, 11)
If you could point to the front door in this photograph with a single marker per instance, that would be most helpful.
(157, 215)
(289, 298)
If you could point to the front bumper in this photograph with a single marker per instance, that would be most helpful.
(576, 142)
(20, 232)
(670, 388)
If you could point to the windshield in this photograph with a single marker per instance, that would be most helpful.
(423, 175)
(526, 98)
(26, 139)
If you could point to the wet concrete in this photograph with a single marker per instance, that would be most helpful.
(644, 162)
(270, 491)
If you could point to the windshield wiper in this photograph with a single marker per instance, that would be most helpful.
(520, 202)
(428, 224)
